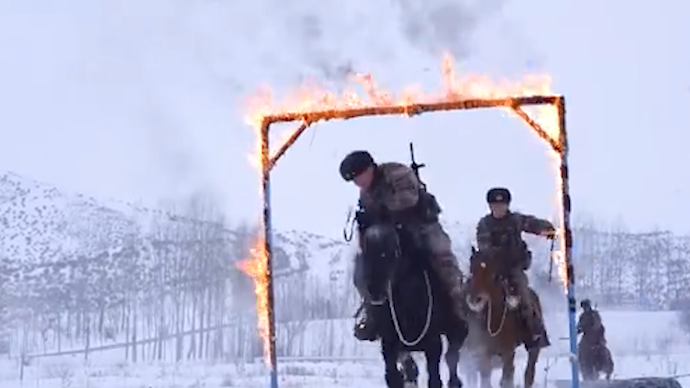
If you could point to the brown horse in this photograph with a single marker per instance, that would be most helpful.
(506, 329)
(594, 359)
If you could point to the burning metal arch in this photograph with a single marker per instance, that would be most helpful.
(307, 118)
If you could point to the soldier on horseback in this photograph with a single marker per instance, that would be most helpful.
(392, 192)
(593, 355)
(590, 325)
(500, 233)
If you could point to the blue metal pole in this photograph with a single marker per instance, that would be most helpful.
(268, 248)
(566, 209)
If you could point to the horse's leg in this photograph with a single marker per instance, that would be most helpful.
(474, 378)
(409, 369)
(485, 369)
(471, 377)
(608, 369)
(432, 353)
(469, 369)
(583, 362)
(587, 371)
(508, 373)
(532, 358)
(394, 378)
(452, 360)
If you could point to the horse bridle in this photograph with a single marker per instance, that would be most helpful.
(489, 312)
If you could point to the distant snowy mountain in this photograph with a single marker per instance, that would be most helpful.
(41, 224)
(60, 249)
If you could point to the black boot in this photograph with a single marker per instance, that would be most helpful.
(365, 328)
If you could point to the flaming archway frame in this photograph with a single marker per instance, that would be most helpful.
(306, 119)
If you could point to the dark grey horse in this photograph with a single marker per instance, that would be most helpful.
(411, 309)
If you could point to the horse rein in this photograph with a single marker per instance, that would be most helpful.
(429, 312)
(389, 293)
(489, 316)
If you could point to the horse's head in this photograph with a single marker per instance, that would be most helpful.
(484, 279)
(381, 254)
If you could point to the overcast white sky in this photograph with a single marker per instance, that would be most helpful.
(143, 100)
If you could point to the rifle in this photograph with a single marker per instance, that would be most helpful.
(416, 166)
(428, 201)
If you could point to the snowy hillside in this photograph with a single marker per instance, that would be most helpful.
(44, 225)
(63, 252)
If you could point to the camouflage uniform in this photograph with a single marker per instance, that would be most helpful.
(503, 237)
(591, 326)
(397, 189)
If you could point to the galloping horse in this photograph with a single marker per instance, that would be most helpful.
(594, 356)
(594, 359)
(410, 307)
(505, 326)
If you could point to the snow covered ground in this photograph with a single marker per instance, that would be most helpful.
(71, 372)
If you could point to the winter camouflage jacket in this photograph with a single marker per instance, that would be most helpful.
(505, 234)
(396, 188)
(591, 327)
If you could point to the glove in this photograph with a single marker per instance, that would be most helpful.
(367, 218)
(364, 219)
(549, 234)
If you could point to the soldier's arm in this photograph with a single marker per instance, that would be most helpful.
(404, 186)
(483, 235)
(533, 225)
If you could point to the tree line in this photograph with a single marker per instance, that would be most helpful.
(175, 292)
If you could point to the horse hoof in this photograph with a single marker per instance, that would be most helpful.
(409, 384)
(455, 384)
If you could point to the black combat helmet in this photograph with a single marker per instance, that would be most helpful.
(498, 195)
(355, 163)
(585, 303)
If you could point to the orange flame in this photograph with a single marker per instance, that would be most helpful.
(312, 98)
(558, 256)
(256, 266)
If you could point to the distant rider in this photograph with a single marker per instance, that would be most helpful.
(500, 233)
(590, 325)
(392, 191)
